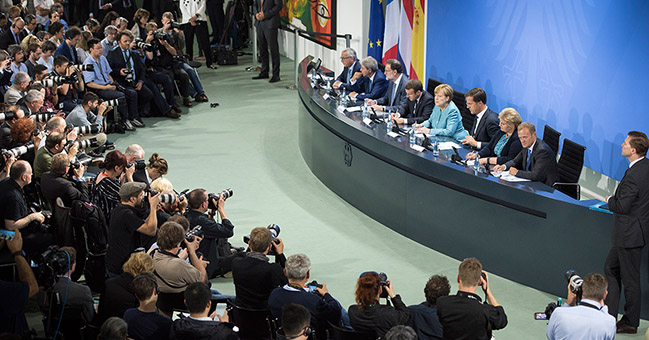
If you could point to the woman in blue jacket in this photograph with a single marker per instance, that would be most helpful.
(445, 119)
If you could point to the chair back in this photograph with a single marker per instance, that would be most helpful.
(339, 333)
(254, 324)
(64, 232)
(167, 302)
(551, 138)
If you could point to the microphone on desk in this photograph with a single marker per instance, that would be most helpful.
(397, 129)
(426, 143)
(375, 118)
(456, 158)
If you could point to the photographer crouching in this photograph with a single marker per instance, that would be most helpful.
(585, 319)
(216, 234)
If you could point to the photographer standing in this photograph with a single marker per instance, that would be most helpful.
(588, 319)
(216, 234)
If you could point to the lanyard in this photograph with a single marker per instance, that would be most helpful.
(98, 64)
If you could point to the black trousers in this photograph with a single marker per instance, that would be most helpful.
(177, 73)
(164, 79)
(267, 38)
(203, 40)
(622, 268)
(217, 18)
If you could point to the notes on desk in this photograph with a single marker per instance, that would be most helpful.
(448, 145)
(505, 175)
(325, 96)
(341, 109)
(393, 134)
(354, 109)
(367, 122)
(417, 148)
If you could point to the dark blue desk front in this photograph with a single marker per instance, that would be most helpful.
(525, 231)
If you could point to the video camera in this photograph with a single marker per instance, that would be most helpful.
(51, 263)
(213, 199)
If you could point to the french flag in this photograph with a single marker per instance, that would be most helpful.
(405, 34)
(391, 34)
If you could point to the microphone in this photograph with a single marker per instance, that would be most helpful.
(456, 158)
(375, 118)
(426, 143)
(396, 129)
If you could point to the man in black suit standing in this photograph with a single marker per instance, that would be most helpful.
(535, 162)
(352, 66)
(485, 124)
(267, 25)
(14, 35)
(420, 104)
(630, 206)
(395, 98)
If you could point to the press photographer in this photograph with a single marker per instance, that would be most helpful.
(55, 143)
(585, 319)
(90, 116)
(16, 91)
(67, 79)
(9, 118)
(57, 182)
(216, 234)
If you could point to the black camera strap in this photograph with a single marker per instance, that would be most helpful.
(586, 304)
(159, 276)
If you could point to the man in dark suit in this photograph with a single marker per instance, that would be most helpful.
(395, 99)
(14, 35)
(54, 184)
(370, 85)
(419, 107)
(123, 61)
(485, 124)
(352, 66)
(630, 206)
(267, 25)
(68, 46)
(34, 53)
(253, 275)
(535, 162)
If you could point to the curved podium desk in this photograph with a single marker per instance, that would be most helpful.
(524, 231)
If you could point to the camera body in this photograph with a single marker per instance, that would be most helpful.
(164, 36)
(51, 263)
(211, 197)
(139, 165)
(576, 282)
(9, 115)
(141, 44)
(129, 77)
(196, 231)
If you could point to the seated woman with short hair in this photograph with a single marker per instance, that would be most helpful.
(369, 316)
(505, 145)
(445, 120)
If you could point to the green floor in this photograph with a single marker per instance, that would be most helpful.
(249, 144)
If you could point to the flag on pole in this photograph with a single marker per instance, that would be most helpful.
(391, 34)
(418, 40)
(375, 35)
(405, 34)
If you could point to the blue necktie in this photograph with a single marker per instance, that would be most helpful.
(529, 156)
(370, 87)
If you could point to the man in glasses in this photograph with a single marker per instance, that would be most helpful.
(352, 68)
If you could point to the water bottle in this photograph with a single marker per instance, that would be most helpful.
(476, 164)
(343, 100)
(412, 137)
(436, 149)
(366, 111)
(388, 124)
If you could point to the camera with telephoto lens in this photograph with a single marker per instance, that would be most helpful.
(46, 82)
(576, 281)
(111, 102)
(164, 198)
(274, 232)
(87, 67)
(63, 79)
(139, 164)
(51, 263)
(196, 231)
(42, 117)
(81, 159)
(174, 24)
(9, 115)
(16, 152)
(141, 44)
(87, 129)
(213, 199)
(164, 36)
(88, 143)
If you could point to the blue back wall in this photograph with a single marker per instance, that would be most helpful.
(578, 66)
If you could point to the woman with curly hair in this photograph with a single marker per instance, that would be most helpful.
(368, 315)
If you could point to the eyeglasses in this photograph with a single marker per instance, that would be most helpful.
(343, 58)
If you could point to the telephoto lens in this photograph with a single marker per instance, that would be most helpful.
(88, 143)
(9, 115)
(196, 231)
(226, 193)
(167, 198)
(19, 150)
(87, 67)
(47, 82)
(42, 117)
(143, 45)
(88, 129)
(112, 102)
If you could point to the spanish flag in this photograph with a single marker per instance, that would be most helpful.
(418, 40)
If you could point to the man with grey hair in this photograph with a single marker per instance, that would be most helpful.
(372, 85)
(33, 102)
(316, 298)
(352, 67)
(122, 24)
(109, 43)
(134, 152)
(16, 91)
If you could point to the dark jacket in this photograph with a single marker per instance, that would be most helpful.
(464, 316)
(630, 205)
(213, 231)
(422, 111)
(424, 321)
(379, 318)
(70, 53)
(116, 61)
(271, 10)
(356, 67)
(512, 148)
(488, 127)
(543, 164)
(55, 185)
(400, 100)
(187, 328)
(365, 90)
(7, 38)
(116, 297)
(254, 280)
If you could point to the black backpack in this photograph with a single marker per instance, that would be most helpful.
(90, 229)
